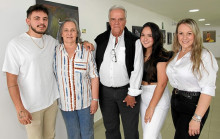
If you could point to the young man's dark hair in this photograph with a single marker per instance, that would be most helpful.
(37, 7)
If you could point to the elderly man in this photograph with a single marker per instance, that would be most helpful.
(119, 61)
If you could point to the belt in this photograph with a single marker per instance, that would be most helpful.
(187, 94)
(120, 87)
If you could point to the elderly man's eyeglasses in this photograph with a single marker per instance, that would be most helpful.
(113, 53)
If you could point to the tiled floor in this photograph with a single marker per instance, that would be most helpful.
(211, 129)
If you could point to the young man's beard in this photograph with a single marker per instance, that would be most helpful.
(38, 32)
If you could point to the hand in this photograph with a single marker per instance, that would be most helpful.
(130, 100)
(89, 46)
(24, 116)
(148, 114)
(194, 128)
(93, 107)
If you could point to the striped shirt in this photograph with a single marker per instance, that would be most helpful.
(73, 77)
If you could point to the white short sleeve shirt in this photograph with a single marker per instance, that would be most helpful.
(34, 67)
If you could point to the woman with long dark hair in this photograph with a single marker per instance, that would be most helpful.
(155, 99)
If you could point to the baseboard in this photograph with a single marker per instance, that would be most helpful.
(98, 123)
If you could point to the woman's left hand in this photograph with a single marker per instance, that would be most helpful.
(194, 128)
(148, 114)
(93, 107)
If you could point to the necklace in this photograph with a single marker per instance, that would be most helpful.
(183, 50)
(37, 44)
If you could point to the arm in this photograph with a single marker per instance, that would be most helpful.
(94, 83)
(23, 115)
(203, 105)
(95, 95)
(136, 76)
(158, 92)
(207, 84)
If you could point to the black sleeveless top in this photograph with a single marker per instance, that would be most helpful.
(150, 68)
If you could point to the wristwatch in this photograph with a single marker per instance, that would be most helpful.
(95, 99)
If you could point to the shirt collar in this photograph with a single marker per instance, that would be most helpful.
(61, 47)
(119, 38)
(188, 54)
(112, 38)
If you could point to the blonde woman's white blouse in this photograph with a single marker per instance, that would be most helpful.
(180, 74)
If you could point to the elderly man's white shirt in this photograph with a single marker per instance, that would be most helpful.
(114, 74)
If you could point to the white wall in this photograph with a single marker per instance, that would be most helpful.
(93, 15)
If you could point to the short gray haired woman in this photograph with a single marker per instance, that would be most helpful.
(78, 82)
(60, 38)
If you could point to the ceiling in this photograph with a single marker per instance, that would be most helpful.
(178, 9)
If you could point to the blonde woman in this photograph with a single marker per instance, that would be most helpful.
(192, 74)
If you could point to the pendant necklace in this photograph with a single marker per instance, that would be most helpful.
(37, 44)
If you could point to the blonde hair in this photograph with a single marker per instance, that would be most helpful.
(197, 45)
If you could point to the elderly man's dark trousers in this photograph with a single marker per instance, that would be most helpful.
(112, 106)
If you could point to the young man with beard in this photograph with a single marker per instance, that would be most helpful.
(31, 82)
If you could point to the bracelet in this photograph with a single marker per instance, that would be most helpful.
(12, 86)
(198, 117)
(96, 99)
(197, 120)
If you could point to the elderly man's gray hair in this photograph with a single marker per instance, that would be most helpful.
(117, 7)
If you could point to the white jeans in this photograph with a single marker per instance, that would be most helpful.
(152, 130)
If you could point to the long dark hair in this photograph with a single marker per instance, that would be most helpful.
(158, 52)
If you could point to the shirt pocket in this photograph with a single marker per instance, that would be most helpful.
(80, 68)
(121, 55)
